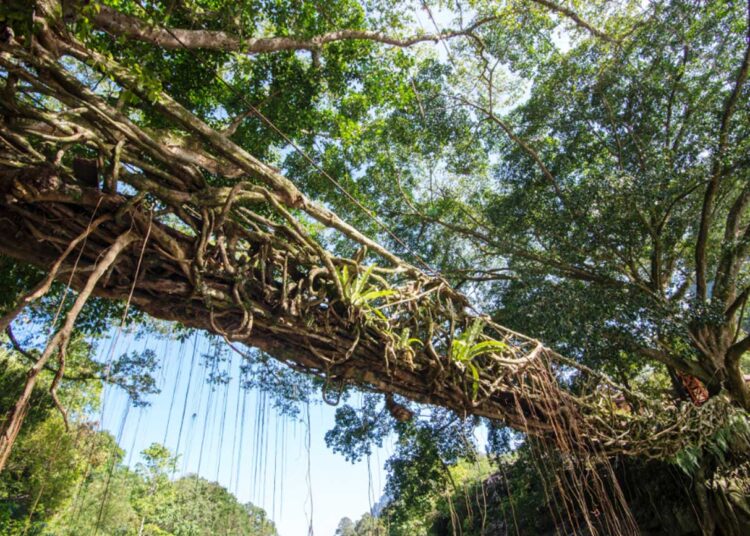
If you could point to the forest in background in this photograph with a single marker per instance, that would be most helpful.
(77, 481)
(370, 192)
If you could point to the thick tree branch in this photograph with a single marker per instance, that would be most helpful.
(701, 254)
(119, 24)
(739, 348)
(735, 379)
(572, 15)
(734, 249)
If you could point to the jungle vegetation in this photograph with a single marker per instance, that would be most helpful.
(528, 215)
(78, 482)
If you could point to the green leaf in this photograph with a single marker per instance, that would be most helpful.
(475, 384)
(375, 294)
(485, 347)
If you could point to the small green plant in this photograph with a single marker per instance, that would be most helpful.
(688, 459)
(405, 343)
(360, 293)
(464, 349)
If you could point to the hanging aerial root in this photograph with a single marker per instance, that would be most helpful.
(43, 287)
(16, 415)
(56, 383)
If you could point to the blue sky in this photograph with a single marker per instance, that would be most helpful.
(271, 467)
